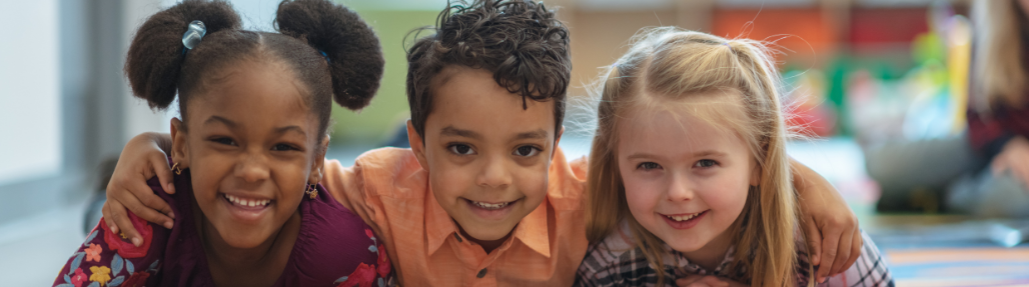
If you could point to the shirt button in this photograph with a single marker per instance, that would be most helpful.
(482, 273)
(458, 237)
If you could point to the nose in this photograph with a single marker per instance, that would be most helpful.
(680, 188)
(495, 173)
(253, 168)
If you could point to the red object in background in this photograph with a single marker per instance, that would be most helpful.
(806, 27)
(812, 121)
(877, 26)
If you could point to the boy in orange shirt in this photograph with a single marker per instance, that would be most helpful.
(484, 197)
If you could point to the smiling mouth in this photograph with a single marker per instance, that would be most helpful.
(491, 206)
(245, 202)
(681, 218)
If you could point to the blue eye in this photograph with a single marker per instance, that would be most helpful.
(461, 149)
(705, 163)
(527, 151)
(648, 166)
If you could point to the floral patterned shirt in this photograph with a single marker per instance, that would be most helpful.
(334, 247)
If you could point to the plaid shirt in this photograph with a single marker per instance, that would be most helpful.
(617, 262)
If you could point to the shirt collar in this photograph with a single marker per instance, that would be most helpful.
(438, 224)
(531, 231)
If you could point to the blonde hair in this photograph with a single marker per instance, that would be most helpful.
(999, 74)
(671, 64)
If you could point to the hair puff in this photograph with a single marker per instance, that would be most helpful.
(353, 50)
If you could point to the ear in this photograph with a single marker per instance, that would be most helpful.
(318, 164)
(180, 146)
(557, 140)
(417, 145)
(755, 174)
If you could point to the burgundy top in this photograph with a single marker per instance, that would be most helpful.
(334, 247)
(988, 133)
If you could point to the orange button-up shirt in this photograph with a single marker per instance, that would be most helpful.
(390, 191)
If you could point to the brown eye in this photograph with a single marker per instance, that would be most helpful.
(527, 151)
(224, 141)
(284, 147)
(461, 149)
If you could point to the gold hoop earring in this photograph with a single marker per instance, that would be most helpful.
(176, 168)
(312, 191)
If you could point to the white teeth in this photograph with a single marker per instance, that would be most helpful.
(243, 202)
(683, 218)
(490, 206)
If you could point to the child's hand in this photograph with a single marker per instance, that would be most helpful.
(1015, 158)
(141, 160)
(830, 227)
(706, 281)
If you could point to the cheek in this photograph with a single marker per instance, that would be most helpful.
(642, 195)
(532, 181)
(726, 192)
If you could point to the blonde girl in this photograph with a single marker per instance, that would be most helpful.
(689, 181)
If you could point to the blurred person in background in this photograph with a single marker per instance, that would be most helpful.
(985, 170)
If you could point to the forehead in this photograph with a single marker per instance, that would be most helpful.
(692, 122)
(471, 97)
(261, 91)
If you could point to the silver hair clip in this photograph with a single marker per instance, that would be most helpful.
(192, 37)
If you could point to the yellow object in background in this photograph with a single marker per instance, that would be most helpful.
(959, 53)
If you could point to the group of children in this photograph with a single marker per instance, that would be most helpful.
(687, 183)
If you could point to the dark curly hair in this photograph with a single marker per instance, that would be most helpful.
(519, 41)
(330, 49)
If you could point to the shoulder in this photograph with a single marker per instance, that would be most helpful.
(107, 258)
(566, 182)
(334, 242)
(379, 172)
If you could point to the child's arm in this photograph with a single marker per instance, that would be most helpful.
(142, 158)
(829, 225)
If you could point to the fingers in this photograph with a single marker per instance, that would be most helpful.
(122, 219)
(844, 252)
(164, 173)
(1020, 169)
(107, 214)
(855, 251)
(713, 281)
(686, 281)
(814, 240)
(144, 205)
(830, 244)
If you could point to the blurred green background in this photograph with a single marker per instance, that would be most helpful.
(389, 107)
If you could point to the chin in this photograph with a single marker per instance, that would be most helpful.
(243, 240)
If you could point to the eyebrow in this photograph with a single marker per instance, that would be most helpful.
(232, 125)
(705, 153)
(285, 129)
(214, 119)
(452, 131)
(537, 134)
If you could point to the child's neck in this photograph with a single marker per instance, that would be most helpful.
(712, 254)
(258, 266)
